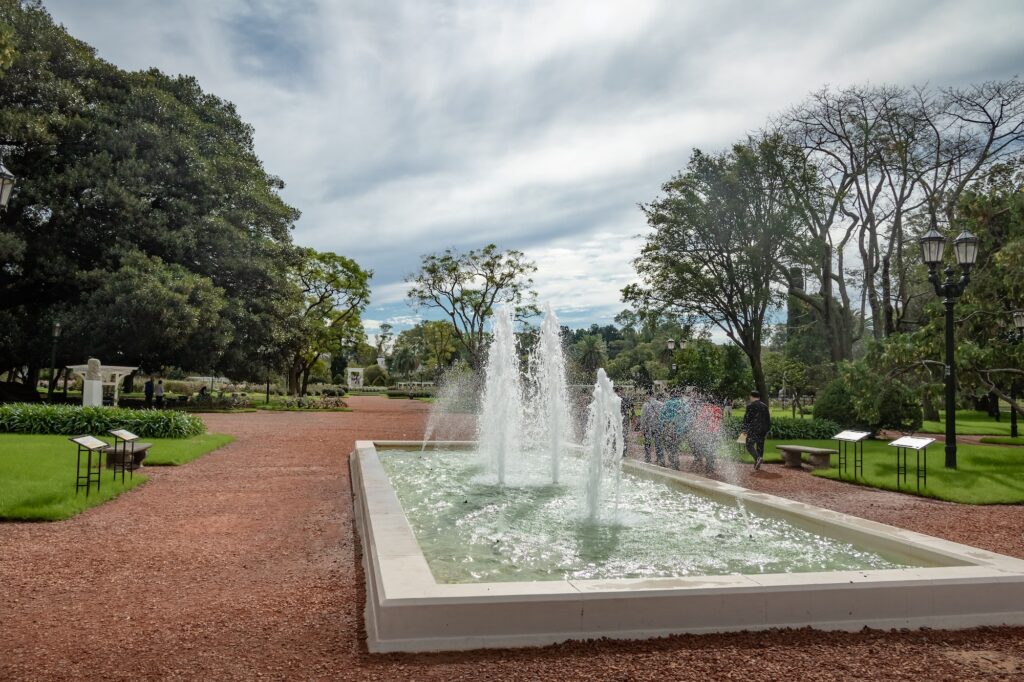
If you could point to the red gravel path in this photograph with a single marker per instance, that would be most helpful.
(243, 565)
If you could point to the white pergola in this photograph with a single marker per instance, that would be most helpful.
(110, 375)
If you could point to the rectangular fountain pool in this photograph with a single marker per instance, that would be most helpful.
(471, 530)
(453, 562)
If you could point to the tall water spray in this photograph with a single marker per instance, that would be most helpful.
(551, 394)
(500, 422)
(603, 445)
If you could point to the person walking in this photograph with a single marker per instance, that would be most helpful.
(650, 429)
(147, 390)
(158, 392)
(756, 424)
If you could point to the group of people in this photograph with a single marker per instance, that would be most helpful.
(154, 392)
(668, 421)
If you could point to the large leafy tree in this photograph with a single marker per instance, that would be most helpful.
(133, 171)
(467, 287)
(720, 234)
(335, 290)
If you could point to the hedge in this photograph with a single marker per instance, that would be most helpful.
(410, 393)
(74, 420)
(787, 428)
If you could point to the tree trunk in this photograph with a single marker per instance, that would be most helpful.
(887, 309)
(293, 379)
(757, 369)
(929, 410)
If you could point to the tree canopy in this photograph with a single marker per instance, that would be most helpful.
(143, 221)
(468, 286)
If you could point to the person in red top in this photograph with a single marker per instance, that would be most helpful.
(704, 436)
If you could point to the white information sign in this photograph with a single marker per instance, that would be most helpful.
(124, 435)
(89, 442)
(852, 436)
(912, 442)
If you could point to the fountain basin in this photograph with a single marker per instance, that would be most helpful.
(946, 585)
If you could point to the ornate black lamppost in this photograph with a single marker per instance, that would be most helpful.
(966, 248)
(1015, 338)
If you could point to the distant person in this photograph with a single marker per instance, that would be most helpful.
(675, 422)
(756, 424)
(147, 390)
(159, 393)
(650, 429)
(705, 434)
(203, 392)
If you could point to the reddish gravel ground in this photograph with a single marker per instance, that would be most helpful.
(244, 565)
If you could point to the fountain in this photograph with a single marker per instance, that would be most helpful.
(549, 391)
(577, 542)
(500, 426)
(604, 445)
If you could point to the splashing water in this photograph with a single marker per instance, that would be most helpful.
(603, 446)
(550, 394)
(500, 425)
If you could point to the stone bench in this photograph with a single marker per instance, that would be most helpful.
(819, 458)
(139, 454)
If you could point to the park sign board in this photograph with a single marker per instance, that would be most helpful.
(912, 442)
(89, 442)
(124, 435)
(851, 436)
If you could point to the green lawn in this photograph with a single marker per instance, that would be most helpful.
(985, 474)
(37, 473)
(971, 423)
(1003, 440)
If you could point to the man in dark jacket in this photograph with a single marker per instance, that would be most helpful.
(756, 423)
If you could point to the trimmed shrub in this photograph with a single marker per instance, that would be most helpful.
(787, 428)
(410, 393)
(182, 387)
(74, 420)
(835, 404)
(898, 408)
(375, 375)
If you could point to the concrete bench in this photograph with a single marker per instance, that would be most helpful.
(819, 458)
(137, 456)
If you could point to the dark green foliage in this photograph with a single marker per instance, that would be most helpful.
(72, 420)
(141, 207)
(784, 428)
(374, 375)
(835, 403)
(898, 408)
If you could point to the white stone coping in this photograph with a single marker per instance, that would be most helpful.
(407, 610)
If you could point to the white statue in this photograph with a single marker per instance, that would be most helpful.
(92, 389)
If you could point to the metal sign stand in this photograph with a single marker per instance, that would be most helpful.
(124, 457)
(88, 445)
(918, 445)
(843, 440)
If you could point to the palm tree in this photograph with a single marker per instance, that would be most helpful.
(404, 360)
(590, 353)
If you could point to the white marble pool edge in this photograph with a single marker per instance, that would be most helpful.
(407, 610)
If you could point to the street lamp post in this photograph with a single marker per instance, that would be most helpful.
(965, 246)
(53, 363)
(1015, 338)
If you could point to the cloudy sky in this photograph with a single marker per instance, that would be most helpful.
(408, 126)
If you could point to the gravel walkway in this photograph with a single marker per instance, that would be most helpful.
(243, 565)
